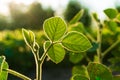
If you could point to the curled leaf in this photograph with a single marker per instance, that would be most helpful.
(29, 37)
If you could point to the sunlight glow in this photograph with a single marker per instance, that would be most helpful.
(55, 4)
(26, 2)
(99, 5)
(4, 5)
(59, 5)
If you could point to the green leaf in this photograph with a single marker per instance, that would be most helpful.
(3, 65)
(79, 27)
(79, 77)
(46, 45)
(29, 37)
(76, 57)
(77, 17)
(2, 59)
(94, 47)
(95, 16)
(118, 17)
(112, 26)
(4, 73)
(76, 42)
(56, 52)
(99, 71)
(111, 13)
(54, 28)
(117, 77)
(82, 70)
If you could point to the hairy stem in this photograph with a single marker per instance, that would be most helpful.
(99, 40)
(45, 53)
(39, 71)
(17, 74)
(40, 63)
(36, 57)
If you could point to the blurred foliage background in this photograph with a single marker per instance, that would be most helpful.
(30, 17)
(19, 56)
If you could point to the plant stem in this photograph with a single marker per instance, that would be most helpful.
(90, 37)
(39, 72)
(40, 63)
(17, 74)
(110, 48)
(36, 56)
(45, 53)
(99, 40)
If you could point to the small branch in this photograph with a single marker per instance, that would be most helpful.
(99, 40)
(90, 37)
(17, 74)
(99, 37)
(110, 48)
(36, 55)
(45, 53)
(36, 58)
(40, 62)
